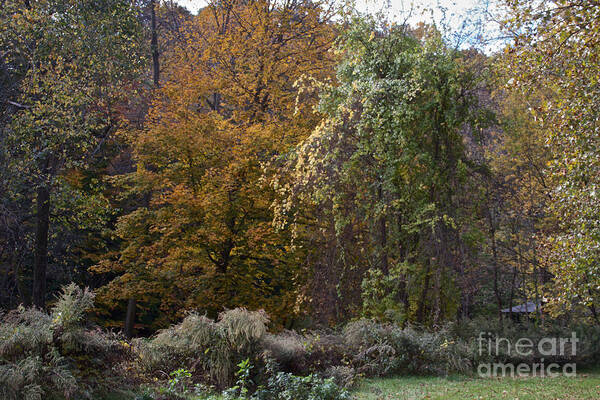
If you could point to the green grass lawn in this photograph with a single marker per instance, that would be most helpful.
(584, 386)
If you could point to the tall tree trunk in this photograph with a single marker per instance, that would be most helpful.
(382, 227)
(524, 283)
(154, 46)
(512, 287)
(592, 307)
(405, 300)
(130, 318)
(41, 247)
(437, 303)
(24, 296)
(594, 313)
(421, 306)
(131, 303)
(496, 265)
(536, 287)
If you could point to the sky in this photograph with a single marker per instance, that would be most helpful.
(466, 21)
(457, 6)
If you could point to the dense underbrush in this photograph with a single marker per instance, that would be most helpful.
(58, 353)
(61, 355)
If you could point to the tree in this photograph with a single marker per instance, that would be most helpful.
(226, 106)
(555, 54)
(75, 58)
(165, 21)
(513, 202)
(387, 164)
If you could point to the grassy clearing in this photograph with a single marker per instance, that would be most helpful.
(584, 386)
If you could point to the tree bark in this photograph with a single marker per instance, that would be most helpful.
(437, 303)
(41, 247)
(512, 288)
(130, 318)
(154, 46)
(592, 307)
(24, 297)
(421, 307)
(382, 226)
(496, 265)
(131, 303)
(536, 287)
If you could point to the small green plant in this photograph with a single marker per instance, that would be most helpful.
(285, 386)
(178, 382)
(241, 388)
(144, 396)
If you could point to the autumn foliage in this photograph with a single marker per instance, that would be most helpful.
(227, 105)
(297, 157)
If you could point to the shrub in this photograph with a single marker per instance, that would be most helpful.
(369, 344)
(209, 350)
(285, 386)
(43, 354)
(427, 352)
(366, 347)
(24, 331)
(33, 377)
(587, 354)
(383, 349)
(182, 345)
(343, 376)
(325, 351)
(288, 349)
(371, 348)
(243, 329)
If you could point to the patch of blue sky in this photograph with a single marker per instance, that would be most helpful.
(464, 23)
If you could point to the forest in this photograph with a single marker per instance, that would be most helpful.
(294, 199)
